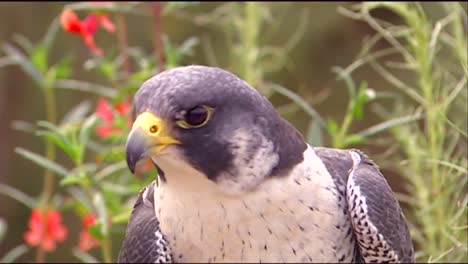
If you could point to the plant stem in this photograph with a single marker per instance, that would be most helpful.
(344, 130)
(48, 183)
(106, 244)
(249, 34)
(158, 38)
(123, 41)
(339, 138)
(106, 249)
(434, 125)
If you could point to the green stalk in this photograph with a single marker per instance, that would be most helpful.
(106, 249)
(51, 110)
(420, 40)
(48, 183)
(433, 122)
(420, 50)
(440, 229)
(459, 32)
(106, 243)
(248, 33)
(339, 139)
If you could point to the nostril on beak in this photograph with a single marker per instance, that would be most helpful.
(153, 129)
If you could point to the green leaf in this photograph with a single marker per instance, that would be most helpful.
(23, 42)
(111, 169)
(50, 35)
(15, 253)
(50, 77)
(96, 231)
(128, 7)
(108, 69)
(333, 127)
(122, 217)
(187, 47)
(357, 109)
(129, 90)
(86, 129)
(19, 58)
(77, 113)
(85, 169)
(84, 256)
(3, 228)
(83, 138)
(354, 139)
(175, 5)
(62, 142)
(70, 180)
(386, 125)
(346, 77)
(116, 188)
(399, 8)
(100, 206)
(49, 126)
(17, 195)
(23, 126)
(301, 103)
(39, 58)
(86, 87)
(42, 161)
(78, 195)
(63, 68)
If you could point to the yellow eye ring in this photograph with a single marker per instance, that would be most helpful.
(196, 117)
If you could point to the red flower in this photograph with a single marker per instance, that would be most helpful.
(108, 113)
(106, 23)
(45, 229)
(86, 28)
(86, 240)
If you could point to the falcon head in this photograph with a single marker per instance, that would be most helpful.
(201, 123)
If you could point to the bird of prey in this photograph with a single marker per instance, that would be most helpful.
(238, 183)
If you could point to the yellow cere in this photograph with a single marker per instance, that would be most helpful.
(157, 131)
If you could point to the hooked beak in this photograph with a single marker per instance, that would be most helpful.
(148, 137)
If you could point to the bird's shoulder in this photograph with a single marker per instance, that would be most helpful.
(144, 242)
(338, 162)
(378, 222)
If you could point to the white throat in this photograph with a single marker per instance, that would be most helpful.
(181, 177)
(278, 221)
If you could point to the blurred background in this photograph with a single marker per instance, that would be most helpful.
(294, 53)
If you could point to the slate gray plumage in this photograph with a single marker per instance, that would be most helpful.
(144, 242)
(383, 210)
(245, 187)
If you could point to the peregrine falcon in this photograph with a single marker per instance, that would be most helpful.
(238, 183)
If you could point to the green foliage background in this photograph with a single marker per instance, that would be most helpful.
(388, 78)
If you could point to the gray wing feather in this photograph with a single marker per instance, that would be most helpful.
(378, 222)
(144, 241)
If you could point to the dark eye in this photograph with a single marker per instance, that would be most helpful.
(196, 116)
